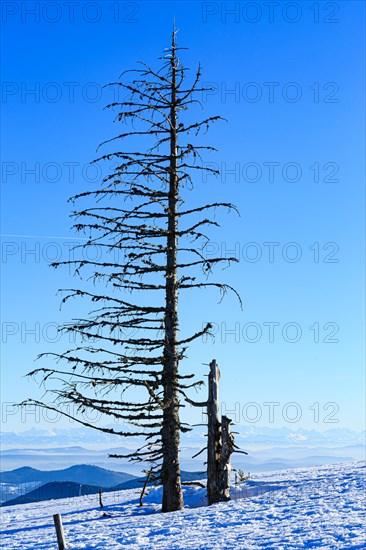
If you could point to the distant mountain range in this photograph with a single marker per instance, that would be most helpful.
(258, 460)
(269, 448)
(71, 482)
(250, 434)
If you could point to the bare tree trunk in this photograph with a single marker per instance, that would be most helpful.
(227, 448)
(213, 443)
(172, 489)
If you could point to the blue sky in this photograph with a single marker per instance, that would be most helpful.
(290, 83)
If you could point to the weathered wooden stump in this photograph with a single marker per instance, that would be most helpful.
(59, 531)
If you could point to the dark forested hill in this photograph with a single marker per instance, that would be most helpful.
(81, 474)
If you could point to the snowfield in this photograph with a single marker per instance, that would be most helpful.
(318, 507)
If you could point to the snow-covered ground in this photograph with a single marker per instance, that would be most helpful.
(318, 507)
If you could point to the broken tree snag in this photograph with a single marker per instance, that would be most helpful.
(100, 497)
(213, 443)
(227, 448)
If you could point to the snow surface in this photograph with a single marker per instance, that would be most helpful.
(318, 507)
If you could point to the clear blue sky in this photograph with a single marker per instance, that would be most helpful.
(290, 82)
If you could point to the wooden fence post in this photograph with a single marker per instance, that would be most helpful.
(59, 531)
(213, 442)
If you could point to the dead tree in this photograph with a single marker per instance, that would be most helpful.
(220, 442)
(213, 434)
(153, 251)
(227, 448)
